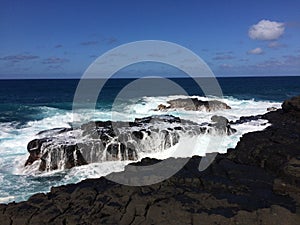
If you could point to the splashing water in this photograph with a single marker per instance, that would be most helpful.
(19, 182)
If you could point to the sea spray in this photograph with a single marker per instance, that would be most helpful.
(19, 182)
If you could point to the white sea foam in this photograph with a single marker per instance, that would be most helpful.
(17, 182)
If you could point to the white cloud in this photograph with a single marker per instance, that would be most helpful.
(266, 30)
(256, 51)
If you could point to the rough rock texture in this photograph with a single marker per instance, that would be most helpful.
(291, 104)
(97, 141)
(194, 104)
(255, 183)
(222, 123)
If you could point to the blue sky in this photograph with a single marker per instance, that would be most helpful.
(60, 39)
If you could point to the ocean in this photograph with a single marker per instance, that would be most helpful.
(30, 106)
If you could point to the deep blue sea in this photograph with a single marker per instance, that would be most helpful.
(29, 106)
(20, 99)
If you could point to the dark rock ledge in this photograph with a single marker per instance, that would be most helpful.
(258, 182)
(98, 141)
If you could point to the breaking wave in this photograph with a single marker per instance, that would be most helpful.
(18, 183)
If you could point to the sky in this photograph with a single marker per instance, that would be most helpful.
(60, 39)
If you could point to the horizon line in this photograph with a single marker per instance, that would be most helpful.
(155, 77)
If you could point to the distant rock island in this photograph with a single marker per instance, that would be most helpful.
(257, 182)
(193, 104)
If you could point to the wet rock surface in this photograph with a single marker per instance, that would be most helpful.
(97, 141)
(193, 104)
(258, 182)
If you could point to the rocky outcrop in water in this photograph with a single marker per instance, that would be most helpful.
(258, 182)
(222, 124)
(64, 148)
(246, 119)
(193, 104)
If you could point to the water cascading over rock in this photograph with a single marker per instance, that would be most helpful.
(64, 148)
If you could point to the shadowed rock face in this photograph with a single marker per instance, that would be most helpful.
(64, 148)
(255, 183)
(194, 104)
(292, 104)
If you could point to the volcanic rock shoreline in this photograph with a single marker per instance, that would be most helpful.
(257, 182)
